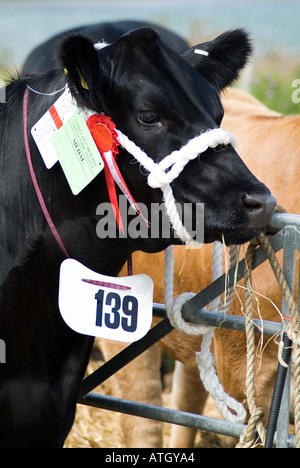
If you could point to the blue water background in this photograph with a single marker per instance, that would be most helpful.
(274, 25)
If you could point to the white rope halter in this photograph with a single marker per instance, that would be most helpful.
(162, 174)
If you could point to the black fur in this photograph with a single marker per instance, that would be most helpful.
(228, 54)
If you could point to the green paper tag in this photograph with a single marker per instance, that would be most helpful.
(77, 152)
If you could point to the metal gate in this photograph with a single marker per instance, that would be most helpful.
(285, 229)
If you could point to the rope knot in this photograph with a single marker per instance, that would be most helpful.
(157, 178)
(177, 321)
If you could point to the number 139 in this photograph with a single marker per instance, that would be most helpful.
(113, 318)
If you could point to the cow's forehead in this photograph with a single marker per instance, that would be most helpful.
(158, 73)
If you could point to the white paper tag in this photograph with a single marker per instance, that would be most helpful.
(107, 307)
(42, 132)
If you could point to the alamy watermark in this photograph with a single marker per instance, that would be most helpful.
(2, 92)
(2, 352)
(296, 93)
(153, 224)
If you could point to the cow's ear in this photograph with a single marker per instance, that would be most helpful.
(79, 58)
(221, 60)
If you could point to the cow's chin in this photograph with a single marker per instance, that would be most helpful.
(231, 238)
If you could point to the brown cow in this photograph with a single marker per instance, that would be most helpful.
(267, 141)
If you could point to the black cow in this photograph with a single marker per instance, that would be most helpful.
(160, 100)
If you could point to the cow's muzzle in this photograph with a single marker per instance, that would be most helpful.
(260, 208)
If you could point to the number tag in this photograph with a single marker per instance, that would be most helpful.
(107, 307)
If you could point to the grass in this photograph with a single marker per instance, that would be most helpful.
(272, 83)
(3, 67)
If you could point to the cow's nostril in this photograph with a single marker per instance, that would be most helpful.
(253, 201)
(260, 208)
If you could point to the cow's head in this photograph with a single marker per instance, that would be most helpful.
(161, 100)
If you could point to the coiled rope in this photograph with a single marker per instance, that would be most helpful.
(292, 330)
(231, 409)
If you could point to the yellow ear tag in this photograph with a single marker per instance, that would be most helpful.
(83, 82)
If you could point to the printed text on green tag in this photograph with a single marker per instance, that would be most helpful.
(77, 152)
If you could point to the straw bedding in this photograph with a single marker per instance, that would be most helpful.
(96, 428)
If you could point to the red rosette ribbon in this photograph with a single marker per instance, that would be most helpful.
(103, 131)
(105, 136)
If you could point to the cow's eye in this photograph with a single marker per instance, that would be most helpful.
(149, 118)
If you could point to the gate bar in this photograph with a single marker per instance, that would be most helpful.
(167, 415)
(192, 311)
(124, 357)
(160, 413)
(213, 290)
(222, 320)
(281, 220)
(164, 327)
(233, 322)
(280, 405)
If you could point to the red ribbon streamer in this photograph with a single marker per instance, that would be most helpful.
(34, 180)
(103, 131)
(105, 136)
